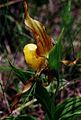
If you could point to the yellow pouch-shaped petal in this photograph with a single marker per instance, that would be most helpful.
(31, 57)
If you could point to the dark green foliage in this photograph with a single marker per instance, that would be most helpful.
(56, 53)
(44, 98)
(69, 109)
(21, 74)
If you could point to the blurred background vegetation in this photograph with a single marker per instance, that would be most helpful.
(54, 14)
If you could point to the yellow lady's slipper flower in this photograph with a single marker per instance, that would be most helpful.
(31, 57)
(36, 55)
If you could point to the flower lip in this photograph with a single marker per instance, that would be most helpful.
(31, 57)
(31, 46)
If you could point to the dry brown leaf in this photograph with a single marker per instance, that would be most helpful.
(71, 63)
(17, 97)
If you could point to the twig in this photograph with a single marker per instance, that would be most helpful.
(19, 108)
(24, 105)
(9, 3)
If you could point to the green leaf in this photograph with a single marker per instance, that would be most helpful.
(22, 117)
(43, 97)
(69, 109)
(56, 53)
(21, 74)
(66, 14)
(5, 68)
(68, 23)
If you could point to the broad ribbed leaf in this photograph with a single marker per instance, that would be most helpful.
(69, 109)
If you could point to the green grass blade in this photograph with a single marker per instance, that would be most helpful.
(56, 53)
(21, 74)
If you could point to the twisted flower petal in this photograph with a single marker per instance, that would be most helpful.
(44, 42)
